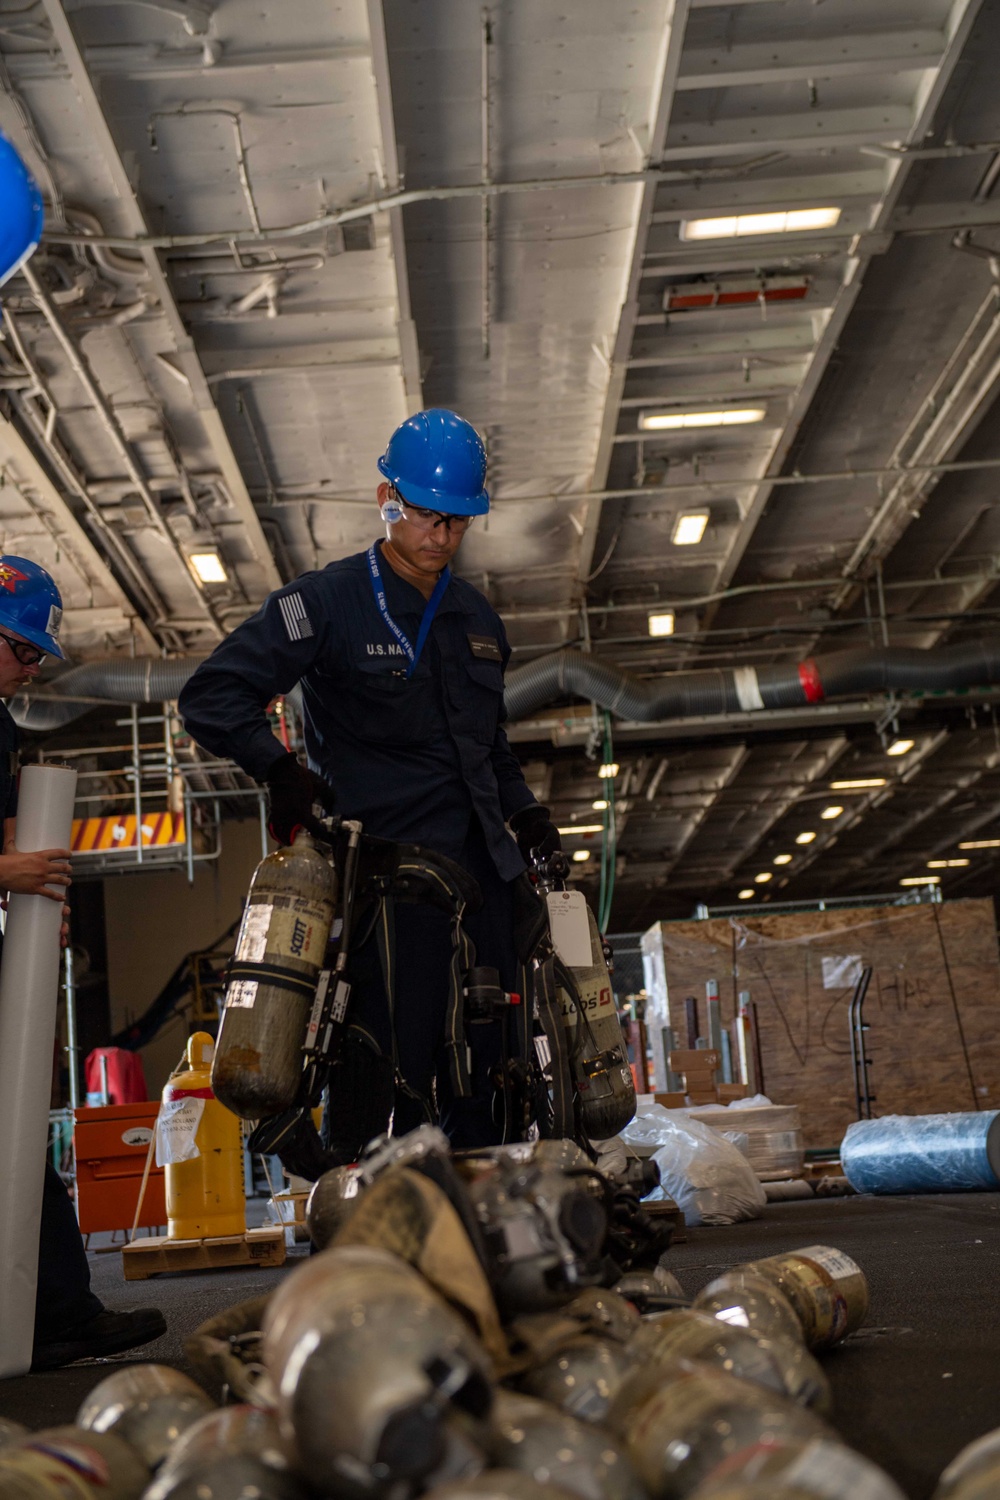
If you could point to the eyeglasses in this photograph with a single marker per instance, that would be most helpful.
(24, 652)
(430, 520)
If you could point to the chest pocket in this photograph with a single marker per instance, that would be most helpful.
(382, 705)
(484, 683)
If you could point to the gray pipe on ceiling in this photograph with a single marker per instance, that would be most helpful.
(674, 695)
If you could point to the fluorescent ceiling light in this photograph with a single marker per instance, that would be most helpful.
(662, 624)
(804, 838)
(735, 226)
(900, 747)
(747, 895)
(860, 785)
(677, 421)
(601, 805)
(689, 528)
(980, 844)
(583, 828)
(609, 770)
(946, 864)
(208, 567)
(831, 812)
(782, 859)
(921, 880)
(763, 877)
(580, 855)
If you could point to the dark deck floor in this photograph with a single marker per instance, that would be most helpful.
(918, 1383)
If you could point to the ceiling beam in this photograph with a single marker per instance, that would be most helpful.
(850, 55)
(618, 363)
(188, 362)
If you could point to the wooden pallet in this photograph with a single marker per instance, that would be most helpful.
(151, 1257)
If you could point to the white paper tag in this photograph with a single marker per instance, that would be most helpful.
(834, 1262)
(569, 923)
(176, 1129)
(241, 994)
(252, 941)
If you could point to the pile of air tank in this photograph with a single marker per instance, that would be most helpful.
(466, 1332)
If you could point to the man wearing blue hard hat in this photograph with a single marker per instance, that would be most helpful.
(70, 1321)
(401, 668)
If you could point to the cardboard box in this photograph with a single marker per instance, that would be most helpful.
(697, 1057)
(730, 1091)
(670, 1101)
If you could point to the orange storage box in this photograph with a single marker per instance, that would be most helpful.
(111, 1145)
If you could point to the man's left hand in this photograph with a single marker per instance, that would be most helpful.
(535, 832)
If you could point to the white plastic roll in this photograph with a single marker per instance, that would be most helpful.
(29, 990)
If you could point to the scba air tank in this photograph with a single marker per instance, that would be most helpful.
(598, 1057)
(272, 981)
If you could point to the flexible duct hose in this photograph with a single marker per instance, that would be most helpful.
(682, 695)
(116, 679)
(677, 695)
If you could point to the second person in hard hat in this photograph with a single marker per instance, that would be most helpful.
(401, 666)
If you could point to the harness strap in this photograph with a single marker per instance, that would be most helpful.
(547, 1003)
(463, 956)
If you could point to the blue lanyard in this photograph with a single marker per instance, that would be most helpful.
(430, 610)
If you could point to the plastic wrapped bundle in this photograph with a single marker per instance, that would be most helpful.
(775, 1143)
(923, 1153)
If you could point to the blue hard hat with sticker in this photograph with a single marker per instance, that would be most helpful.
(21, 211)
(437, 460)
(30, 604)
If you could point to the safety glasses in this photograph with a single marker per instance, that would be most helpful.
(23, 651)
(430, 520)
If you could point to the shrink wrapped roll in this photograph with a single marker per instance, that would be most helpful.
(923, 1153)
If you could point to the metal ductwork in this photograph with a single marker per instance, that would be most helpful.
(679, 695)
(675, 695)
(115, 679)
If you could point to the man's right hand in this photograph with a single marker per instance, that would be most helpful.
(292, 791)
(44, 872)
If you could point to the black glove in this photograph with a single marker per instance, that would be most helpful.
(292, 790)
(534, 830)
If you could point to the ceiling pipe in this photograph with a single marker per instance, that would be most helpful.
(676, 695)
(680, 695)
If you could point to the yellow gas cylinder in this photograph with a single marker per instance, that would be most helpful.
(200, 1146)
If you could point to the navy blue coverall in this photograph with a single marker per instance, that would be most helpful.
(423, 760)
(64, 1301)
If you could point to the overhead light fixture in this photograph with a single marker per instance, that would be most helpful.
(980, 844)
(831, 812)
(689, 528)
(736, 226)
(207, 566)
(748, 894)
(804, 838)
(580, 856)
(662, 624)
(860, 785)
(946, 864)
(679, 421)
(782, 859)
(583, 828)
(609, 770)
(900, 747)
(921, 880)
(763, 877)
(601, 805)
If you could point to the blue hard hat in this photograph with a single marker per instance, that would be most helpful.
(30, 604)
(437, 460)
(21, 211)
